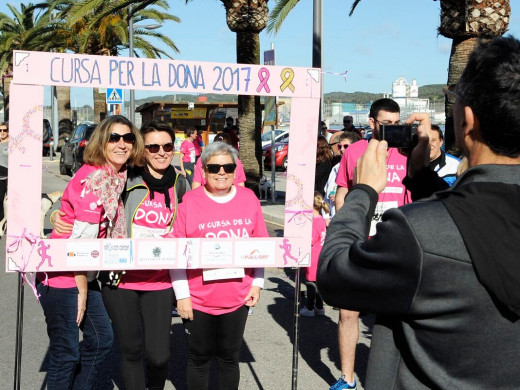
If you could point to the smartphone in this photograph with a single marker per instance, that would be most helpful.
(399, 136)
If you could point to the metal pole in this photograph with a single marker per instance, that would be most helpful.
(317, 43)
(273, 164)
(54, 121)
(296, 330)
(19, 334)
(131, 108)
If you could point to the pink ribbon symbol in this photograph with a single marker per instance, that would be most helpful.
(299, 213)
(263, 75)
(18, 244)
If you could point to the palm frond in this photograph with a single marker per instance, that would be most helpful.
(278, 14)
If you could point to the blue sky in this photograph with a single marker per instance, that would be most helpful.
(383, 40)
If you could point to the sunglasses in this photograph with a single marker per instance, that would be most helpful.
(154, 148)
(215, 168)
(4, 131)
(342, 146)
(114, 138)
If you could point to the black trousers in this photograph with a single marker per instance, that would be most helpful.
(3, 193)
(217, 336)
(142, 321)
(313, 296)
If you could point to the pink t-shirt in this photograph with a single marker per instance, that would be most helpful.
(188, 150)
(77, 206)
(394, 194)
(198, 145)
(198, 176)
(151, 219)
(201, 216)
(319, 228)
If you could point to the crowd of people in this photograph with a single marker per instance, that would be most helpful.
(413, 236)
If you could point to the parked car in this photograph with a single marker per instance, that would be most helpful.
(71, 158)
(47, 137)
(281, 149)
(279, 136)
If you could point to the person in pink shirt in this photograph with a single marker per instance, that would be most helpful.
(140, 305)
(72, 300)
(314, 304)
(199, 143)
(383, 111)
(188, 153)
(198, 176)
(213, 303)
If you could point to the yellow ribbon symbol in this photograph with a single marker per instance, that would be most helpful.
(287, 76)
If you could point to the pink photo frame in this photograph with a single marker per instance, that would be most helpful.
(27, 252)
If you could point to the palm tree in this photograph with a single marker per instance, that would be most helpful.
(101, 28)
(25, 30)
(463, 21)
(247, 18)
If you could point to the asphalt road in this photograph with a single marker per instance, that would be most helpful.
(267, 351)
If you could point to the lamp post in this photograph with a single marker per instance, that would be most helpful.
(131, 29)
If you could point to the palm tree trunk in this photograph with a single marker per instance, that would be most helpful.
(6, 84)
(250, 113)
(461, 48)
(100, 106)
(63, 102)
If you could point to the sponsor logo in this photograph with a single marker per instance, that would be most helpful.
(94, 254)
(156, 252)
(255, 255)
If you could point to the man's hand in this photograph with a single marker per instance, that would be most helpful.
(185, 309)
(420, 156)
(371, 167)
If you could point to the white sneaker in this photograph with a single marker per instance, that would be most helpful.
(319, 312)
(304, 312)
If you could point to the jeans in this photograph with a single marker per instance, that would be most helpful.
(71, 365)
(142, 321)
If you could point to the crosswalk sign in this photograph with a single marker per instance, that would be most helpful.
(114, 96)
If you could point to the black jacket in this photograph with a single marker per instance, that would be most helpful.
(438, 326)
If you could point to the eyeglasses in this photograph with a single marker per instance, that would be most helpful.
(215, 168)
(129, 138)
(342, 146)
(4, 131)
(386, 123)
(154, 148)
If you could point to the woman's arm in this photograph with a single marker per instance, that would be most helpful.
(81, 283)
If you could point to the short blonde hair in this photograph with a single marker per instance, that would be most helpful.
(95, 152)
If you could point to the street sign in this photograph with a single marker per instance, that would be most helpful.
(114, 96)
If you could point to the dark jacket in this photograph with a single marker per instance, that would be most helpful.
(437, 326)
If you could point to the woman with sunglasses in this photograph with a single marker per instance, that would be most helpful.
(140, 306)
(214, 303)
(140, 302)
(345, 139)
(198, 175)
(72, 301)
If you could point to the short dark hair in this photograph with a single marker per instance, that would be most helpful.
(383, 105)
(154, 125)
(351, 135)
(190, 131)
(490, 86)
(439, 131)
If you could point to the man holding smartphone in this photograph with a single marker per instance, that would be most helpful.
(441, 274)
(382, 112)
